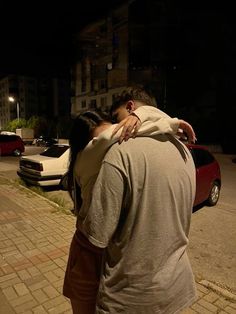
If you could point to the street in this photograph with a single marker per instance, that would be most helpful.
(212, 248)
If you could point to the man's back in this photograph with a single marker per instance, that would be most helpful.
(141, 213)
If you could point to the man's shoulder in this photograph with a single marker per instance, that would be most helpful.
(160, 144)
(133, 145)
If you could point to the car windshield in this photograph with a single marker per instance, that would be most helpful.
(55, 151)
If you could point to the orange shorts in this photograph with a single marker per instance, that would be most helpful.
(83, 270)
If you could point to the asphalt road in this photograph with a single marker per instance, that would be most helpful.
(212, 245)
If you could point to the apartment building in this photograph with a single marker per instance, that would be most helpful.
(18, 98)
(121, 49)
(23, 97)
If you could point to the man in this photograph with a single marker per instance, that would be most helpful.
(140, 215)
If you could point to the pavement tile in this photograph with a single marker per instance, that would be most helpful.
(222, 303)
(21, 289)
(200, 309)
(51, 277)
(40, 296)
(5, 307)
(207, 305)
(41, 284)
(60, 262)
(24, 274)
(61, 308)
(211, 297)
(39, 310)
(26, 306)
(230, 310)
(33, 280)
(51, 292)
(10, 293)
(51, 304)
(33, 271)
(188, 311)
(7, 269)
(21, 300)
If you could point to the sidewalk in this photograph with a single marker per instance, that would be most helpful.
(34, 243)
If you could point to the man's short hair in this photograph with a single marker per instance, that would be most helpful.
(131, 93)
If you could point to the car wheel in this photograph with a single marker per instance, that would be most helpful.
(64, 182)
(16, 152)
(214, 194)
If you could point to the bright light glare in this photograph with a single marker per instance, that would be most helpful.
(11, 99)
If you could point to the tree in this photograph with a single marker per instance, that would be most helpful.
(16, 124)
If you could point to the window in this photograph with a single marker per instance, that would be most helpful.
(93, 104)
(103, 101)
(103, 84)
(201, 157)
(83, 84)
(83, 104)
(83, 77)
(55, 151)
(8, 138)
(114, 97)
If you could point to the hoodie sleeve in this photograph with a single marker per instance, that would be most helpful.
(154, 121)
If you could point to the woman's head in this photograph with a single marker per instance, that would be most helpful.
(83, 128)
(82, 131)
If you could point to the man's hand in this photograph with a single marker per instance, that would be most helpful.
(130, 125)
(187, 130)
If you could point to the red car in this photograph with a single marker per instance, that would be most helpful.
(208, 176)
(11, 145)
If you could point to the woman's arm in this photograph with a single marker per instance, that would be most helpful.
(156, 122)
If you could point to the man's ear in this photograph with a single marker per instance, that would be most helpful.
(130, 106)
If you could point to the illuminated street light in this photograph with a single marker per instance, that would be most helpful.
(12, 99)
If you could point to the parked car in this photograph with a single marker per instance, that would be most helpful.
(11, 144)
(50, 168)
(46, 168)
(208, 175)
(45, 141)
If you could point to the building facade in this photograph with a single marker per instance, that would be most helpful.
(122, 49)
(33, 96)
(23, 91)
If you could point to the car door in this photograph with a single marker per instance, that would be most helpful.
(3, 145)
(203, 160)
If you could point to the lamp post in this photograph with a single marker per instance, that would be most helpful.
(12, 99)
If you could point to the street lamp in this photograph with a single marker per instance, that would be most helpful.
(12, 99)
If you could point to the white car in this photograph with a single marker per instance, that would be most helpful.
(46, 168)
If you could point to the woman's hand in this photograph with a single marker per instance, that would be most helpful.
(187, 130)
(130, 126)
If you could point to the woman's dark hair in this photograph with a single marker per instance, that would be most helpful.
(80, 135)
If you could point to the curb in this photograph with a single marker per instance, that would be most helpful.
(219, 290)
(34, 193)
(42, 197)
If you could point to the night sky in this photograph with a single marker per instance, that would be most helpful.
(36, 37)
